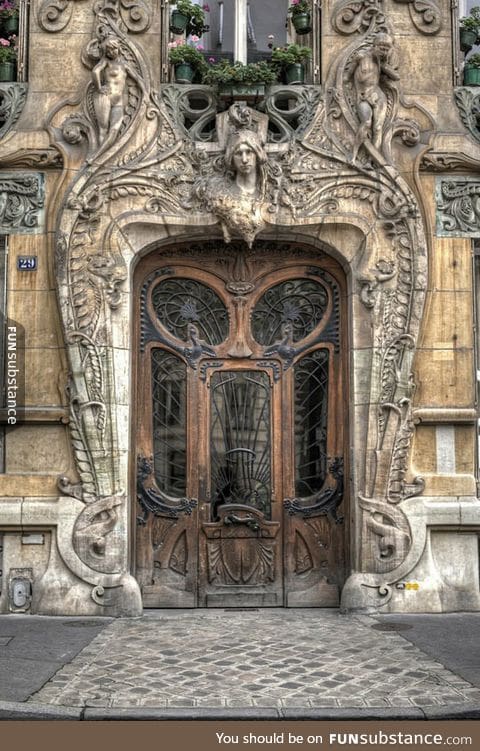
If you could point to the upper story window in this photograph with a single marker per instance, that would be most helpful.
(461, 53)
(247, 30)
(13, 40)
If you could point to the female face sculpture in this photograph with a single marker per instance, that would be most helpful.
(244, 156)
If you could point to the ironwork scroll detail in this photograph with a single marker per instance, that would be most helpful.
(326, 502)
(152, 500)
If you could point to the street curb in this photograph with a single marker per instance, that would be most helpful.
(17, 710)
(30, 711)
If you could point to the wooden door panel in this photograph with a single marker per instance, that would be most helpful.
(243, 504)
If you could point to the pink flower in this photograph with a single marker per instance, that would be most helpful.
(200, 47)
(206, 7)
(172, 45)
(211, 59)
(194, 38)
(295, 2)
(4, 42)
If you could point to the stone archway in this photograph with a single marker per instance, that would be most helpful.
(148, 187)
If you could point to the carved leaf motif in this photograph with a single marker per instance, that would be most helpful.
(469, 108)
(302, 557)
(12, 99)
(240, 561)
(179, 557)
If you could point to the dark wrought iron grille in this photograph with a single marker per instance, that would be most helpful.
(311, 414)
(301, 302)
(240, 440)
(179, 302)
(169, 423)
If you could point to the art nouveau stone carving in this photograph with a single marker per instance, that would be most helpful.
(467, 100)
(458, 207)
(55, 15)
(22, 199)
(350, 16)
(12, 99)
(372, 70)
(145, 175)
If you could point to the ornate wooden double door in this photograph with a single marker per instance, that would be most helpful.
(240, 428)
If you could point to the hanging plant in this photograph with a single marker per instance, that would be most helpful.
(188, 18)
(301, 14)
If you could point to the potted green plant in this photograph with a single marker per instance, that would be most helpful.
(290, 62)
(187, 61)
(188, 18)
(239, 81)
(470, 29)
(8, 56)
(9, 17)
(471, 71)
(301, 14)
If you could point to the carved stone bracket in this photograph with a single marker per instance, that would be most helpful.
(467, 99)
(458, 207)
(12, 100)
(55, 15)
(22, 199)
(446, 161)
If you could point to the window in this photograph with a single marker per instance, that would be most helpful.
(463, 9)
(245, 30)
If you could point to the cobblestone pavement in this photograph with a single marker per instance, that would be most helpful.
(265, 658)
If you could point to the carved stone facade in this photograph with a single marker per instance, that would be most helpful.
(120, 168)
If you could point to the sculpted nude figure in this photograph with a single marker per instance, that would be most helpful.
(371, 67)
(110, 80)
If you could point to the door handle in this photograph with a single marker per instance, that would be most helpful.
(249, 521)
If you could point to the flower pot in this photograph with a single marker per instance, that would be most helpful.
(10, 25)
(178, 22)
(7, 72)
(471, 76)
(468, 39)
(184, 73)
(295, 74)
(302, 23)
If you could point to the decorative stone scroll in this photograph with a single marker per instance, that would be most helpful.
(194, 108)
(12, 100)
(55, 15)
(22, 199)
(149, 176)
(458, 207)
(350, 16)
